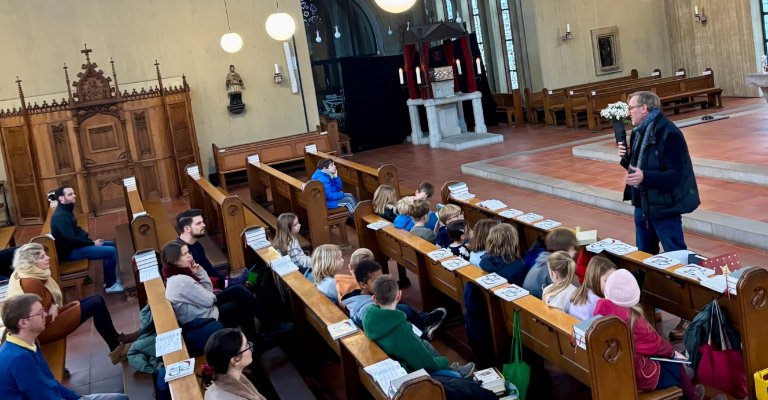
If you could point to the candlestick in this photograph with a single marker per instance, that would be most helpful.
(458, 65)
(479, 68)
(418, 76)
(277, 69)
(696, 10)
(400, 72)
(567, 28)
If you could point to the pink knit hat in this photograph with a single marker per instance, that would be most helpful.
(621, 288)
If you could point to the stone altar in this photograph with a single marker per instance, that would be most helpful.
(759, 80)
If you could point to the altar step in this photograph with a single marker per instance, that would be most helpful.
(470, 140)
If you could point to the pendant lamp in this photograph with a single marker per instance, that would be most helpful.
(280, 26)
(395, 6)
(231, 42)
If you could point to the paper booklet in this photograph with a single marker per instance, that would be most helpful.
(180, 369)
(439, 254)
(491, 280)
(341, 329)
(732, 279)
(661, 261)
(620, 249)
(511, 213)
(492, 380)
(511, 293)
(253, 159)
(257, 238)
(146, 263)
(310, 148)
(283, 265)
(130, 183)
(378, 225)
(384, 372)
(693, 271)
(580, 330)
(168, 342)
(716, 283)
(460, 191)
(547, 224)
(492, 204)
(454, 263)
(529, 218)
(138, 214)
(463, 196)
(598, 247)
(397, 383)
(586, 237)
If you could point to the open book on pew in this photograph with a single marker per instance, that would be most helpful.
(180, 369)
(384, 372)
(511, 292)
(580, 331)
(283, 265)
(146, 263)
(378, 225)
(341, 329)
(256, 238)
(492, 204)
(511, 213)
(454, 263)
(460, 191)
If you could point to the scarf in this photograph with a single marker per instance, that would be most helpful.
(25, 271)
(641, 136)
(170, 270)
(242, 388)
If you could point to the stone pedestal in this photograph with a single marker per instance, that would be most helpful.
(759, 80)
(447, 127)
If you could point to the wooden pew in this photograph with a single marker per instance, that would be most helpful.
(225, 213)
(313, 310)
(554, 99)
(534, 104)
(364, 179)
(165, 321)
(673, 293)
(6, 237)
(272, 151)
(306, 200)
(511, 105)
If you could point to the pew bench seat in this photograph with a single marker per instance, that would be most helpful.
(6, 237)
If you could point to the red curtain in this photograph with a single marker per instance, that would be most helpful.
(409, 51)
(469, 63)
(426, 90)
(448, 46)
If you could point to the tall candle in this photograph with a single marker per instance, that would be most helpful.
(400, 72)
(567, 28)
(696, 10)
(277, 69)
(418, 76)
(479, 68)
(458, 65)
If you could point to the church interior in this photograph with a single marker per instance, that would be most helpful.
(149, 108)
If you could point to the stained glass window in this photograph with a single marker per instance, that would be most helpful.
(478, 27)
(509, 44)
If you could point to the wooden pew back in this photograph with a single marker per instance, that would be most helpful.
(534, 102)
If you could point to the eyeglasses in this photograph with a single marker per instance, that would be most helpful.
(42, 313)
(248, 348)
(639, 105)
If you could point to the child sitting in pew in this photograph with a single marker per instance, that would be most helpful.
(423, 193)
(360, 300)
(404, 211)
(622, 295)
(346, 283)
(476, 245)
(385, 202)
(420, 215)
(584, 299)
(502, 254)
(559, 239)
(387, 326)
(445, 215)
(334, 196)
(459, 233)
(562, 272)
(287, 243)
(326, 261)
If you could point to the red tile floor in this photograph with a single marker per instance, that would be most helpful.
(87, 354)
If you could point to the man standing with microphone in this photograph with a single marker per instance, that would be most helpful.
(660, 180)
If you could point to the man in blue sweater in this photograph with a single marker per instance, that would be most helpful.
(24, 374)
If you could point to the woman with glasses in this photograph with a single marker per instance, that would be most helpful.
(32, 274)
(228, 352)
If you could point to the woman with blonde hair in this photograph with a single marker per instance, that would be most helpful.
(584, 299)
(385, 202)
(326, 262)
(32, 274)
(286, 241)
(562, 270)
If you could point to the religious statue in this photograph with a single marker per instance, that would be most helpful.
(235, 91)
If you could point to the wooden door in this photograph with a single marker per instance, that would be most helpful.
(19, 166)
(106, 160)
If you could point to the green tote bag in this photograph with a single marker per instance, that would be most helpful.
(517, 371)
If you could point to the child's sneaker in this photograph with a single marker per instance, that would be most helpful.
(464, 370)
(434, 320)
(116, 288)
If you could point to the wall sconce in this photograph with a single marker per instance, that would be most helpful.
(699, 17)
(568, 34)
(278, 78)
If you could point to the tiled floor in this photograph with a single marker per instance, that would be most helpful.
(87, 358)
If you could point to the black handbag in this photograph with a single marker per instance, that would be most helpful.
(197, 332)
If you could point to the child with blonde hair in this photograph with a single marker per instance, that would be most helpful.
(584, 299)
(326, 262)
(346, 283)
(559, 239)
(404, 211)
(385, 202)
(502, 254)
(287, 242)
(445, 215)
(562, 272)
(480, 232)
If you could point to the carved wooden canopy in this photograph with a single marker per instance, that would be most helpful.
(92, 86)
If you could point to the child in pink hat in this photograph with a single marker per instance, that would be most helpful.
(622, 295)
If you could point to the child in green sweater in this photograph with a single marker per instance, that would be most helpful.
(388, 327)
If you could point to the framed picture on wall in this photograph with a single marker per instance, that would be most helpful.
(606, 50)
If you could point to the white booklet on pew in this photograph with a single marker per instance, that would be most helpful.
(439, 254)
(378, 225)
(717, 283)
(283, 265)
(257, 238)
(168, 342)
(180, 369)
(599, 246)
(146, 263)
(661, 261)
(454, 263)
(620, 248)
(547, 224)
(397, 383)
(693, 271)
(341, 329)
(511, 213)
(491, 280)
(511, 293)
(492, 204)
(529, 218)
(384, 372)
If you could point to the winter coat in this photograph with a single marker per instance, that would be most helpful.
(514, 272)
(332, 186)
(68, 234)
(141, 355)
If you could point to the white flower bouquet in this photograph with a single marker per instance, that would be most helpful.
(616, 112)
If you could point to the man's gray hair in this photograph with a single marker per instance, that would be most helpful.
(649, 99)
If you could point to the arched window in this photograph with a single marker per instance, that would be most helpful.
(508, 44)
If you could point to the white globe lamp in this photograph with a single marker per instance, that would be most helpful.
(231, 42)
(395, 6)
(280, 26)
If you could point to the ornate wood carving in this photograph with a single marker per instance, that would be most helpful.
(142, 135)
(62, 152)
